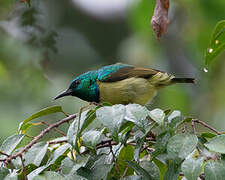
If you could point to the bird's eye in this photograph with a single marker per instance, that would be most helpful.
(77, 82)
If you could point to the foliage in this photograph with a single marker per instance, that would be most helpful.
(115, 142)
(107, 142)
(217, 43)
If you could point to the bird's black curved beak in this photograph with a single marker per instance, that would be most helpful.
(67, 92)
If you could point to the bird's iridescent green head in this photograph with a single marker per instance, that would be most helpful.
(84, 86)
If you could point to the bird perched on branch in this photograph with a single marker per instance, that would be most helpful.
(120, 84)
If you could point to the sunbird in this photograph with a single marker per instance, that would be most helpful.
(120, 84)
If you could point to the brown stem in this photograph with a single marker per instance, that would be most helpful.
(125, 172)
(193, 127)
(23, 167)
(206, 125)
(35, 140)
(106, 145)
(55, 129)
(111, 151)
(57, 142)
(150, 139)
(29, 136)
(4, 154)
(195, 133)
(202, 175)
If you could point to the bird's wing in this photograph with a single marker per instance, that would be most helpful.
(124, 72)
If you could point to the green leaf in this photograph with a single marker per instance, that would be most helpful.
(214, 171)
(43, 112)
(162, 167)
(70, 167)
(139, 170)
(101, 171)
(48, 175)
(192, 168)
(217, 43)
(36, 172)
(151, 168)
(67, 166)
(124, 131)
(188, 119)
(91, 138)
(27, 126)
(9, 145)
(3, 172)
(137, 114)
(59, 140)
(126, 154)
(138, 146)
(217, 144)
(132, 178)
(207, 135)
(174, 119)
(162, 140)
(174, 115)
(158, 116)
(36, 154)
(181, 145)
(167, 111)
(112, 117)
(73, 131)
(89, 118)
(93, 159)
(85, 172)
(56, 154)
(12, 176)
(78, 126)
(172, 172)
(74, 177)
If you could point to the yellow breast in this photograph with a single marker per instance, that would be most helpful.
(131, 90)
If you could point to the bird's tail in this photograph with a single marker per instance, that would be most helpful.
(183, 80)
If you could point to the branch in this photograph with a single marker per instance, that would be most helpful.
(4, 154)
(201, 176)
(35, 140)
(206, 125)
(55, 129)
(57, 142)
(23, 167)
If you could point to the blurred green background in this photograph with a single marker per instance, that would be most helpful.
(43, 47)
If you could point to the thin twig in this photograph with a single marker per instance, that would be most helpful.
(23, 167)
(206, 125)
(184, 128)
(58, 142)
(106, 145)
(125, 172)
(4, 154)
(10, 165)
(101, 145)
(201, 176)
(55, 129)
(65, 113)
(35, 140)
(29, 136)
(193, 127)
(132, 143)
(195, 133)
(150, 139)
(111, 151)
